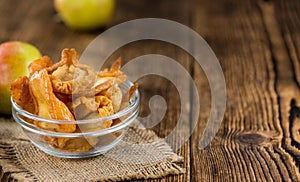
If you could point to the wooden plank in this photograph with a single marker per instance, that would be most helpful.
(287, 70)
(248, 146)
(289, 20)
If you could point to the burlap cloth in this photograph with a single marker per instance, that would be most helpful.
(140, 155)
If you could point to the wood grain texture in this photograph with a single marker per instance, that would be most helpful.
(254, 142)
(258, 45)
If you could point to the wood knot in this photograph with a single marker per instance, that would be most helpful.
(251, 138)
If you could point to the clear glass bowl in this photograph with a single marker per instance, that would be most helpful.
(91, 140)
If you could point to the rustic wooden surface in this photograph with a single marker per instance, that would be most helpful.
(258, 45)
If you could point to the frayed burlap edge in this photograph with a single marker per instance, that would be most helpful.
(12, 169)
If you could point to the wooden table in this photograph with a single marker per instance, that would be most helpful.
(258, 45)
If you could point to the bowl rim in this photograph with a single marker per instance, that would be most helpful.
(116, 128)
(130, 108)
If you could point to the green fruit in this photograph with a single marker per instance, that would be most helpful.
(15, 56)
(85, 14)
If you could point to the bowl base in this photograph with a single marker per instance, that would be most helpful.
(76, 155)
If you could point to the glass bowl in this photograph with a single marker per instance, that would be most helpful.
(88, 140)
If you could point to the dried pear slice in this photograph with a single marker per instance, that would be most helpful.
(39, 64)
(113, 73)
(21, 94)
(48, 105)
(115, 94)
(68, 57)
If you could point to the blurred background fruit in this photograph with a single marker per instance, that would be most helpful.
(15, 56)
(85, 14)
